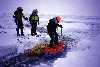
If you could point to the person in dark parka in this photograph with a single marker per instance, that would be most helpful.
(51, 28)
(33, 21)
(18, 20)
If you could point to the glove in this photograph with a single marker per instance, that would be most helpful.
(26, 18)
(61, 26)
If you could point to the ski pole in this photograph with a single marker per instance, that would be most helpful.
(61, 32)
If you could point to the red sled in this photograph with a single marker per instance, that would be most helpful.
(55, 51)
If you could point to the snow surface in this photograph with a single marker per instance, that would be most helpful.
(81, 37)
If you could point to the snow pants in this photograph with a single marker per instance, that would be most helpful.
(34, 27)
(19, 26)
(54, 37)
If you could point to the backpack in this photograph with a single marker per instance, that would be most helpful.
(51, 24)
(19, 16)
(35, 18)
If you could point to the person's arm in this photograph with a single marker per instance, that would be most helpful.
(24, 17)
(59, 26)
(38, 20)
(30, 17)
(15, 13)
(13, 16)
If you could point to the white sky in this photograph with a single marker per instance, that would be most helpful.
(63, 7)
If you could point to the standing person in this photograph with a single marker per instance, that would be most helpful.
(18, 20)
(33, 21)
(51, 28)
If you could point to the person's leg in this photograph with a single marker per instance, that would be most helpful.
(35, 27)
(21, 27)
(52, 38)
(17, 31)
(22, 31)
(35, 31)
(31, 27)
(56, 38)
(32, 30)
(17, 28)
